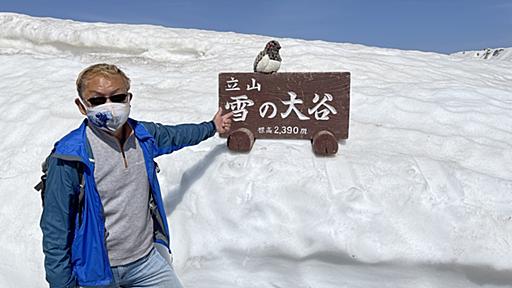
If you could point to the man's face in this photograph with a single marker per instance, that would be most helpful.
(101, 87)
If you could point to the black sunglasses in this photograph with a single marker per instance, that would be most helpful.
(118, 98)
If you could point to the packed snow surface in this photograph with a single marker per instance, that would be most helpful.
(497, 53)
(420, 195)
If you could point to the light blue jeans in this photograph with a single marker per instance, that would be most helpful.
(151, 270)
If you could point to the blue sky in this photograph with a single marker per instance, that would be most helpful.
(429, 25)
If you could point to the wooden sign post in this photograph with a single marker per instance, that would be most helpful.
(286, 106)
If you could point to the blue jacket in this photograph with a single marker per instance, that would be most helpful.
(75, 249)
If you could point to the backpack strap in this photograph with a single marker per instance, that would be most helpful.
(41, 186)
(81, 193)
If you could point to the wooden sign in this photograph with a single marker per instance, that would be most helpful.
(286, 106)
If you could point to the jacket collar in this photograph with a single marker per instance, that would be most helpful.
(75, 146)
(72, 146)
(140, 132)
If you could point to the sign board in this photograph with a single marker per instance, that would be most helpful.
(287, 105)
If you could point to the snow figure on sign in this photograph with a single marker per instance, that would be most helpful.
(269, 60)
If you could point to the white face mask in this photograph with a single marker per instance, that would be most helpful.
(109, 116)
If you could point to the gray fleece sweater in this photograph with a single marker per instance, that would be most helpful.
(123, 187)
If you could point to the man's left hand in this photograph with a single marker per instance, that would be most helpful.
(222, 122)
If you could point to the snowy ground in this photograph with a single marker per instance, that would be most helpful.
(420, 195)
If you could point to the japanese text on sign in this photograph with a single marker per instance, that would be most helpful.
(240, 103)
(287, 105)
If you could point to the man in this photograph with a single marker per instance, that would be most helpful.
(107, 237)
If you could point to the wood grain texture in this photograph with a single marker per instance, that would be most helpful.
(237, 90)
(312, 106)
(241, 140)
(324, 143)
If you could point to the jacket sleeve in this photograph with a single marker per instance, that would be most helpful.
(171, 138)
(57, 221)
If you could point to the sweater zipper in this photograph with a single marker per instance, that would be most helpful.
(125, 161)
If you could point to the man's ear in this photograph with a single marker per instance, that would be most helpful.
(80, 106)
